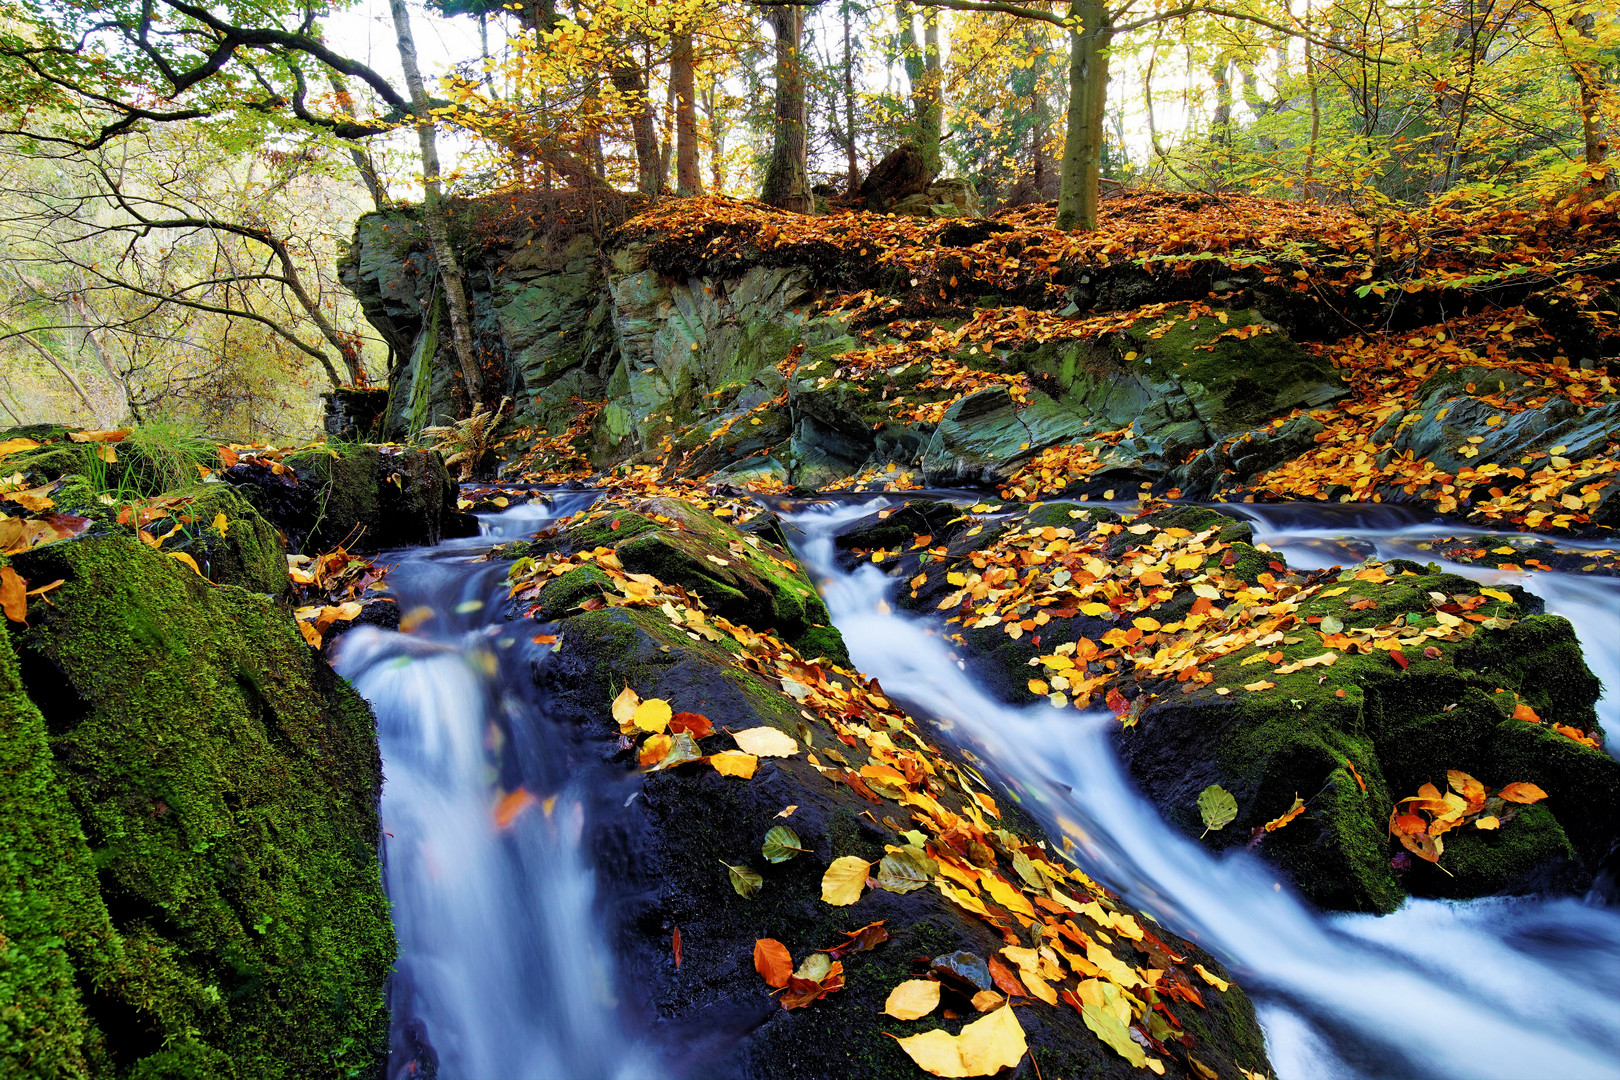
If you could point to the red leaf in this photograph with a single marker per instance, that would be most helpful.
(675, 946)
(696, 724)
(1399, 658)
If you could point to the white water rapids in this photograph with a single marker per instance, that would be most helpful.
(1510, 988)
(506, 971)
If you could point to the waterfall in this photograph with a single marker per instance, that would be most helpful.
(1502, 987)
(504, 969)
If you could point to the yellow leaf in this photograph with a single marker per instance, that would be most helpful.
(187, 559)
(841, 885)
(1146, 623)
(12, 446)
(1005, 895)
(1036, 686)
(652, 715)
(1263, 684)
(13, 594)
(220, 524)
(1094, 609)
(734, 763)
(991, 1043)
(624, 706)
(765, 742)
(912, 999)
(1497, 594)
(1214, 980)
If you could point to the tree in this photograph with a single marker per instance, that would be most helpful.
(787, 177)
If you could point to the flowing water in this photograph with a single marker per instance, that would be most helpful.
(1506, 988)
(505, 970)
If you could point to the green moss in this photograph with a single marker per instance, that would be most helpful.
(226, 782)
(52, 919)
(560, 595)
(1582, 784)
(1511, 858)
(247, 552)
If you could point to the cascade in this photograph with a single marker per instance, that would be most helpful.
(506, 970)
(1502, 987)
(503, 966)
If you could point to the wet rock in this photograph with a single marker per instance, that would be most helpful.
(368, 498)
(672, 837)
(1397, 727)
(985, 436)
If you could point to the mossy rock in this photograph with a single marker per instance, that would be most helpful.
(741, 577)
(368, 498)
(229, 920)
(247, 552)
(690, 819)
(1399, 728)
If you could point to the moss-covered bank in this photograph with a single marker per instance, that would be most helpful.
(191, 885)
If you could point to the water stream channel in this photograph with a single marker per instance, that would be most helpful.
(506, 971)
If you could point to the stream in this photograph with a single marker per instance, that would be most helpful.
(505, 969)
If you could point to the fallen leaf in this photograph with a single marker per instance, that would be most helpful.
(189, 561)
(675, 947)
(989, 1044)
(17, 445)
(695, 724)
(734, 763)
(652, 715)
(773, 962)
(13, 595)
(765, 742)
(746, 882)
(511, 805)
(781, 844)
(1217, 807)
(624, 706)
(1214, 980)
(1113, 1032)
(912, 999)
(841, 885)
(1522, 792)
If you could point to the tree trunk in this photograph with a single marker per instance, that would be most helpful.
(1088, 95)
(787, 177)
(628, 81)
(1040, 115)
(928, 97)
(683, 81)
(849, 104)
(434, 212)
(1595, 94)
(717, 137)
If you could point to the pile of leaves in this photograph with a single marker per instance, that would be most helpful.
(333, 587)
(1419, 822)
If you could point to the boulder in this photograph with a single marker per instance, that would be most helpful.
(1349, 738)
(367, 498)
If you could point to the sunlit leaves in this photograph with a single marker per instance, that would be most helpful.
(1420, 822)
(765, 742)
(772, 961)
(983, 1048)
(844, 880)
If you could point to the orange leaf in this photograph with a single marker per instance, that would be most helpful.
(1521, 711)
(13, 595)
(1522, 792)
(511, 805)
(773, 962)
(1399, 658)
(675, 947)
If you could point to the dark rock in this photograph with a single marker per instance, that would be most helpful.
(902, 172)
